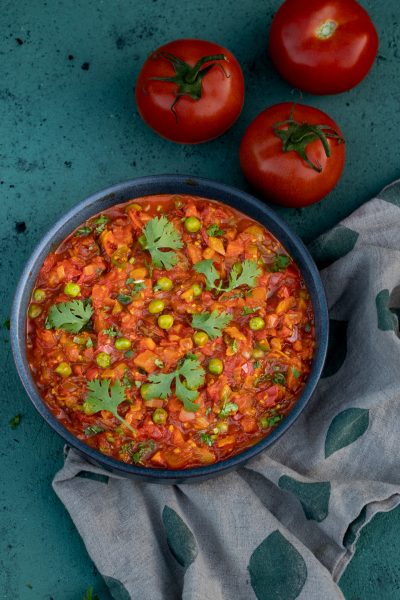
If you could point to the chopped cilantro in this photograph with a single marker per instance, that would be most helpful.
(92, 430)
(83, 231)
(193, 374)
(211, 323)
(159, 234)
(296, 372)
(128, 354)
(206, 439)
(280, 263)
(214, 231)
(229, 408)
(307, 327)
(70, 316)
(248, 310)
(101, 223)
(111, 332)
(15, 421)
(143, 449)
(279, 378)
(89, 343)
(138, 384)
(102, 396)
(124, 299)
(256, 364)
(159, 363)
(126, 381)
(234, 346)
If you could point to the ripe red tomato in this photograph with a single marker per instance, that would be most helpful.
(190, 91)
(323, 46)
(293, 154)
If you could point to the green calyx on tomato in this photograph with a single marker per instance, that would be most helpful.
(187, 78)
(297, 136)
(326, 30)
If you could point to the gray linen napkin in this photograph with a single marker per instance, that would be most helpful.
(284, 526)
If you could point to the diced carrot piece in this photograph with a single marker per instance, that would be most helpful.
(258, 294)
(234, 333)
(298, 346)
(248, 424)
(195, 253)
(251, 252)
(285, 305)
(208, 253)
(139, 273)
(177, 438)
(191, 210)
(276, 344)
(158, 459)
(149, 343)
(107, 240)
(227, 440)
(145, 360)
(256, 232)
(235, 247)
(217, 245)
(188, 295)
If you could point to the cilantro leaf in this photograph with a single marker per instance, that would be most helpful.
(229, 408)
(83, 231)
(157, 234)
(143, 449)
(92, 430)
(296, 372)
(103, 397)
(279, 378)
(111, 332)
(214, 231)
(70, 316)
(280, 263)
(248, 310)
(244, 273)
(15, 421)
(206, 439)
(192, 371)
(89, 595)
(211, 323)
(101, 223)
(124, 299)
(206, 268)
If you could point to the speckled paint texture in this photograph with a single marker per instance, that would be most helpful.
(69, 127)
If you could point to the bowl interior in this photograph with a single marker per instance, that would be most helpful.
(168, 184)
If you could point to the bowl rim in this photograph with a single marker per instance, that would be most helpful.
(195, 186)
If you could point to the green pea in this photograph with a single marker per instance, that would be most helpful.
(256, 323)
(192, 224)
(216, 366)
(72, 289)
(156, 306)
(123, 343)
(64, 369)
(264, 422)
(103, 360)
(34, 311)
(197, 290)
(164, 284)
(39, 295)
(165, 321)
(200, 338)
(160, 416)
(145, 392)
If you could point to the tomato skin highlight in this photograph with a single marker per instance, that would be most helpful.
(323, 46)
(284, 177)
(194, 121)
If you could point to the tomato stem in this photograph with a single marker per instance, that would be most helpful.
(326, 30)
(187, 78)
(297, 136)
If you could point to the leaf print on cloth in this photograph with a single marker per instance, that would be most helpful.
(277, 570)
(345, 429)
(180, 539)
(314, 497)
(117, 589)
(333, 245)
(337, 347)
(388, 317)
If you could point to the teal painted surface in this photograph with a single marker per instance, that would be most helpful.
(66, 131)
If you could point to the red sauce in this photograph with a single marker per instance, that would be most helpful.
(250, 363)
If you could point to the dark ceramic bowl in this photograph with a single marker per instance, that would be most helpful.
(167, 184)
